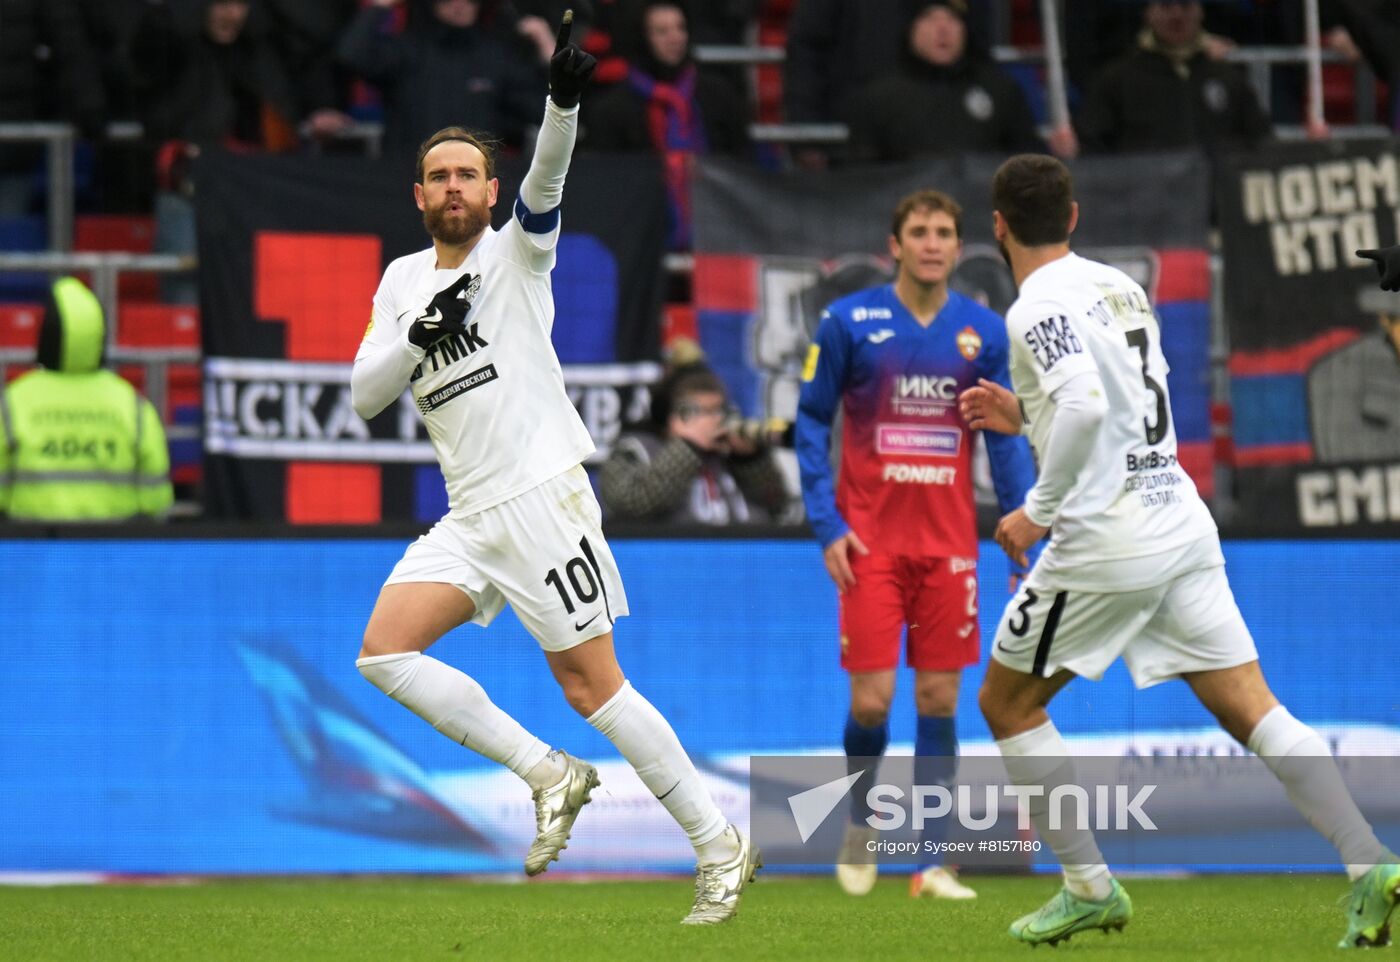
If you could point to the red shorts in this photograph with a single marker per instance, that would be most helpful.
(935, 597)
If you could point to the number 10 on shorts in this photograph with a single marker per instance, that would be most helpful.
(581, 574)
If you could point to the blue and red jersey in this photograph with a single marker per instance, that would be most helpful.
(906, 454)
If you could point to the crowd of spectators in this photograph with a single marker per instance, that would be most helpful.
(908, 77)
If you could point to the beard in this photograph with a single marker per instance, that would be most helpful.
(456, 230)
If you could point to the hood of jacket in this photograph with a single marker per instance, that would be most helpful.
(72, 334)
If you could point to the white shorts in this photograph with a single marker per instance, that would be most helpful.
(542, 551)
(1188, 623)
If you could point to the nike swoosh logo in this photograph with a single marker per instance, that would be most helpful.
(588, 622)
(880, 337)
(1001, 647)
(1071, 922)
(404, 314)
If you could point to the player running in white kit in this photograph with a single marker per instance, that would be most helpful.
(1134, 567)
(466, 324)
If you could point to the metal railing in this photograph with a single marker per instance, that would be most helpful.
(58, 142)
(104, 269)
(1258, 61)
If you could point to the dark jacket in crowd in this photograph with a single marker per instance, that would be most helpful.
(190, 88)
(434, 76)
(47, 71)
(836, 47)
(971, 105)
(1147, 100)
(646, 478)
(305, 34)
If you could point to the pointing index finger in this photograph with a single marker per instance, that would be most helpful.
(566, 29)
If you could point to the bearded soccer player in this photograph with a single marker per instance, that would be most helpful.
(466, 324)
(898, 529)
(1134, 567)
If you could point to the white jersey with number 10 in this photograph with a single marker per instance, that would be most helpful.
(1079, 319)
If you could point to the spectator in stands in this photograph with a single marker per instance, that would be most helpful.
(695, 465)
(1371, 28)
(216, 81)
(1354, 392)
(47, 72)
(946, 97)
(1168, 92)
(835, 47)
(667, 105)
(454, 66)
(710, 23)
(1097, 32)
(219, 81)
(78, 443)
(305, 34)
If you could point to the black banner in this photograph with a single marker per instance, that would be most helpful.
(291, 251)
(1314, 342)
(1291, 220)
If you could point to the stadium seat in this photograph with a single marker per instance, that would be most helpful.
(145, 325)
(121, 233)
(19, 326)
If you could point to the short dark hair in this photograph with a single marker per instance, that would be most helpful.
(678, 384)
(1035, 193)
(485, 144)
(930, 200)
(694, 379)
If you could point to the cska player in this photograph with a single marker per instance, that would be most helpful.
(898, 527)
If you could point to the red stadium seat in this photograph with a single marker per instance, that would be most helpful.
(19, 326)
(114, 232)
(124, 233)
(158, 326)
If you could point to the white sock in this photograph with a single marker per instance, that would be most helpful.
(457, 706)
(1299, 758)
(649, 744)
(1041, 757)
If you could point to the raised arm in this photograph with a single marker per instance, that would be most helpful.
(537, 206)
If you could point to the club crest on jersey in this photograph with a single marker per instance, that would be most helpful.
(469, 293)
(1051, 339)
(969, 343)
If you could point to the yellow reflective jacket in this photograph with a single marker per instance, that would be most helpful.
(78, 443)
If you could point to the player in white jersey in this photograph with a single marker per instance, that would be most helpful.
(1133, 568)
(466, 325)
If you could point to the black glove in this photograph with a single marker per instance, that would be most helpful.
(569, 68)
(446, 314)
(1387, 264)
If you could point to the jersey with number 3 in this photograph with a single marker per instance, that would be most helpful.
(494, 400)
(1079, 318)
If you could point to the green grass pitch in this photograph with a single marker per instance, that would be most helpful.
(1277, 918)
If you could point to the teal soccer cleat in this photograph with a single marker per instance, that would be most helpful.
(1373, 896)
(1067, 913)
